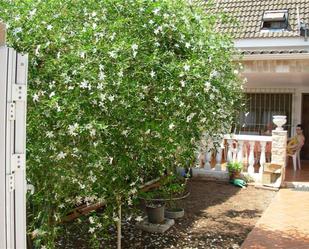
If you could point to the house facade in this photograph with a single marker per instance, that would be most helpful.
(273, 40)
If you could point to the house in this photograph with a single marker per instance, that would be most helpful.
(273, 39)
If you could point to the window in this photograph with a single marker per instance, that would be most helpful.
(275, 20)
(260, 109)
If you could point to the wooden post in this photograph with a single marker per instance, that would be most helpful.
(2, 34)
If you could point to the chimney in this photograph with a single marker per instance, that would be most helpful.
(2, 34)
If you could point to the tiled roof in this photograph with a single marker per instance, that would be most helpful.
(248, 14)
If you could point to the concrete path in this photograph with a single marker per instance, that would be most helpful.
(284, 224)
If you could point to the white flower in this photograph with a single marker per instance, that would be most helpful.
(186, 67)
(35, 97)
(49, 27)
(171, 126)
(133, 191)
(93, 14)
(120, 73)
(113, 54)
(151, 21)
(214, 74)
(17, 30)
(100, 86)
(92, 132)
(32, 12)
(84, 84)
(156, 11)
(72, 129)
(182, 83)
(111, 98)
(49, 134)
(102, 75)
(156, 31)
(37, 50)
(52, 94)
(134, 47)
(190, 117)
(91, 220)
(91, 230)
(111, 159)
(187, 45)
(152, 74)
(139, 218)
(61, 155)
(125, 132)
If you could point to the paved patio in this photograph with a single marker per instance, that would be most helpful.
(285, 223)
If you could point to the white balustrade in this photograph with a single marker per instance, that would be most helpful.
(208, 156)
(251, 158)
(240, 152)
(247, 149)
(230, 150)
(218, 159)
(262, 158)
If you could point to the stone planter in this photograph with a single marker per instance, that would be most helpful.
(174, 213)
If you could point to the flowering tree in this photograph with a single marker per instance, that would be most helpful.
(119, 91)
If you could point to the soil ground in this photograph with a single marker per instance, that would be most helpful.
(217, 215)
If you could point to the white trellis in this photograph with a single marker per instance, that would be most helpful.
(13, 84)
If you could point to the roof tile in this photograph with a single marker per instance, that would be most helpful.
(249, 14)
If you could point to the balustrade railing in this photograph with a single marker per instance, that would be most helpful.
(252, 151)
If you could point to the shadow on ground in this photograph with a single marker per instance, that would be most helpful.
(217, 215)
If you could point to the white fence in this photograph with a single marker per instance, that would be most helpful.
(13, 80)
(251, 151)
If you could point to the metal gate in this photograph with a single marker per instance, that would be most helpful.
(13, 85)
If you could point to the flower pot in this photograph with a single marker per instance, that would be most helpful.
(234, 175)
(155, 213)
(174, 213)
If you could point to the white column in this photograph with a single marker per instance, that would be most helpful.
(230, 151)
(218, 159)
(251, 158)
(208, 156)
(240, 152)
(262, 158)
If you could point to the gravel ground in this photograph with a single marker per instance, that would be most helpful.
(217, 215)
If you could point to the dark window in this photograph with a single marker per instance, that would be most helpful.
(260, 109)
(275, 20)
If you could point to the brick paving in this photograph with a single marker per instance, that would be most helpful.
(285, 223)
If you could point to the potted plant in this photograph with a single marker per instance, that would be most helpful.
(175, 191)
(160, 202)
(234, 169)
(154, 204)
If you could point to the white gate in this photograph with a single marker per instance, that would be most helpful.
(13, 80)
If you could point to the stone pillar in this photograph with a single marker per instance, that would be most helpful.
(278, 148)
(2, 34)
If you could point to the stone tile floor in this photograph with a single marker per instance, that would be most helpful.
(285, 223)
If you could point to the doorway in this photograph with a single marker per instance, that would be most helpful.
(304, 154)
